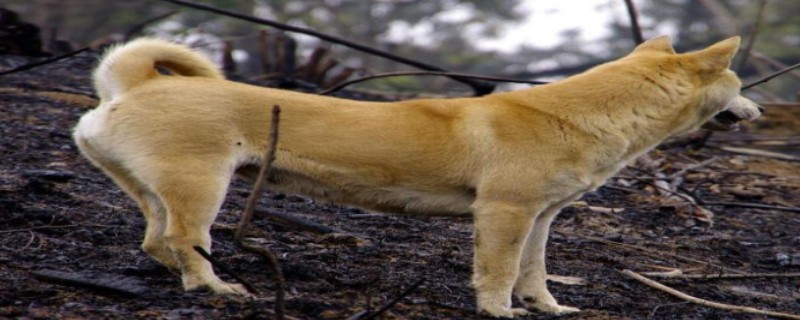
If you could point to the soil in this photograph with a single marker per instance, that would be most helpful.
(59, 213)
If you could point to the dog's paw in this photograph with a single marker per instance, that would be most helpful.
(230, 288)
(218, 287)
(503, 312)
(550, 308)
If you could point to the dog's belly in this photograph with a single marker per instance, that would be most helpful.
(453, 200)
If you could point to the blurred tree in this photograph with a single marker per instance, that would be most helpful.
(699, 22)
(441, 32)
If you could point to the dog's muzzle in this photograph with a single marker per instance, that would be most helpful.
(740, 108)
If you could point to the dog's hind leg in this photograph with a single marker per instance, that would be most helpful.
(152, 209)
(500, 231)
(531, 285)
(192, 191)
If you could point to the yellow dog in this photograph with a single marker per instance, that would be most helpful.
(512, 160)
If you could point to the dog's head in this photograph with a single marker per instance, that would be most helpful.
(715, 89)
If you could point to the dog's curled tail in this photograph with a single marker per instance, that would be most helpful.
(128, 65)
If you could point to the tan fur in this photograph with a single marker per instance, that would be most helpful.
(513, 159)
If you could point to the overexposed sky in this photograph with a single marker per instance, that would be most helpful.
(545, 20)
(543, 24)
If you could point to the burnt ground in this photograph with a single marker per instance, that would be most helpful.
(57, 212)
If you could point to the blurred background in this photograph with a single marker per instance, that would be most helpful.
(529, 39)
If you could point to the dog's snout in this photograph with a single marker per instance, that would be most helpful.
(761, 108)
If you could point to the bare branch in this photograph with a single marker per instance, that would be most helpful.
(342, 85)
(480, 88)
(753, 35)
(636, 29)
(43, 62)
(770, 77)
(703, 302)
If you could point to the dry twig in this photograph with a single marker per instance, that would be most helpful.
(651, 252)
(750, 205)
(703, 302)
(247, 215)
(394, 301)
(258, 187)
(678, 274)
(771, 76)
(295, 221)
(43, 62)
(216, 264)
(56, 227)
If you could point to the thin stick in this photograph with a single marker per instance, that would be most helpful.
(651, 252)
(771, 76)
(258, 187)
(748, 49)
(394, 301)
(750, 205)
(722, 275)
(136, 29)
(774, 63)
(342, 85)
(56, 227)
(43, 62)
(250, 288)
(703, 302)
(480, 88)
(635, 28)
(692, 167)
(295, 221)
(247, 215)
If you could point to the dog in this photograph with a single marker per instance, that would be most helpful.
(512, 160)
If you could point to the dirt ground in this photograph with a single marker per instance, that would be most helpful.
(58, 213)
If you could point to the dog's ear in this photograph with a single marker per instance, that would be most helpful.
(657, 44)
(718, 56)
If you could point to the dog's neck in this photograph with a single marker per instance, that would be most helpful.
(644, 114)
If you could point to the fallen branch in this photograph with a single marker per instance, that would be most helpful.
(394, 301)
(692, 167)
(295, 221)
(680, 275)
(761, 153)
(56, 227)
(221, 267)
(750, 205)
(43, 62)
(703, 302)
(653, 253)
(103, 282)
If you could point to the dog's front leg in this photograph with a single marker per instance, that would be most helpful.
(192, 195)
(531, 286)
(500, 232)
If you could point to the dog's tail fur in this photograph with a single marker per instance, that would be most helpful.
(126, 66)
